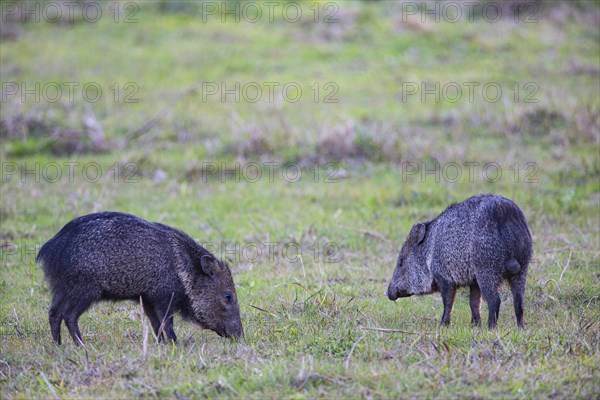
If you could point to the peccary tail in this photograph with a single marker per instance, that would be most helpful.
(40, 255)
(512, 266)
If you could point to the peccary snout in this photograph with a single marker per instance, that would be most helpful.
(393, 293)
(234, 330)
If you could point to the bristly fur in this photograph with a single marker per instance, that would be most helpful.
(476, 243)
(117, 256)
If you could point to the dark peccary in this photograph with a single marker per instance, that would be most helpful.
(116, 256)
(476, 243)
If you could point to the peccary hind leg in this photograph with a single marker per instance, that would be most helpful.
(517, 287)
(55, 318)
(475, 298)
(489, 289)
(71, 311)
(448, 291)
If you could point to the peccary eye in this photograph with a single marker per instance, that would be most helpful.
(228, 297)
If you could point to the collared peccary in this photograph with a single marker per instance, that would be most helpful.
(117, 256)
(477, 243)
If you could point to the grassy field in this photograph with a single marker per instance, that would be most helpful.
(308, 194)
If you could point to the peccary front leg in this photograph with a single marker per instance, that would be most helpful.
(475, 300)
(448, 291)
(165, 315)
(154, 320)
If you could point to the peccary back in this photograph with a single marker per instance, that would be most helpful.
(476, 243)
(117, 256)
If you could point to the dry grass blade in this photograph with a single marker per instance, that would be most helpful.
(150, 388)
(347, 363)
(302, 286)
(386, 330)
(566, 266)
(373, 234)
(164, 320)
(263, 310)
(318, 377)
(47, 382)
(144, 329)
(222, 383)
(137, 133)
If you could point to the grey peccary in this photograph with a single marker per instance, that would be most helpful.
(117, 256)
(477, 243)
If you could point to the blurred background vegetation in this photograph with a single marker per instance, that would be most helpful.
(160, 59)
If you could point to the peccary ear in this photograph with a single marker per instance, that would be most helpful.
(418, 232)
(209, 265)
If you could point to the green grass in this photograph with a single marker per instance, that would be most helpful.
(305, 319)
